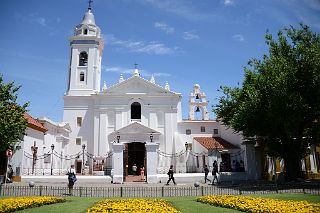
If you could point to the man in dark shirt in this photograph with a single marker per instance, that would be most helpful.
(170, 173)
(206, 172)
(215, 172)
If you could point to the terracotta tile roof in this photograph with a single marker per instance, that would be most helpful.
(34, 124)
(215, 143)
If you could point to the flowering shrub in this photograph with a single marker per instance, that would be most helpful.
(133, 205)
(250, 204)
(19, 203)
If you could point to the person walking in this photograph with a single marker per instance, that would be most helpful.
(142, 172)
(215, 172)
(134, 169)
(170, 173)
(9, 174)
(71, 178)
(206, 172)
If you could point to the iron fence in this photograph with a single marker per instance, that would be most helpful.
(149, 191)
(44, 171)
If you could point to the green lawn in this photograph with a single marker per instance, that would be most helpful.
(184, 204)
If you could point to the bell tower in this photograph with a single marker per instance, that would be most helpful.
(85, 58)
(198, 104)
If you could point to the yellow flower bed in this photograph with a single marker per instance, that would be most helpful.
(133, 205)
(250, 204)
(18, 203)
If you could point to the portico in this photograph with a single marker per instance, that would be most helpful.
(134, 144)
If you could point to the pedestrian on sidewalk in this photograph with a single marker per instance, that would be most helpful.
(206, 172)
(142, 172)
(170, 173)
(71, 178)
(134, 169)
(215, 172)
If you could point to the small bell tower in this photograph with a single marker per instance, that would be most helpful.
(198, 104)
(85, 60)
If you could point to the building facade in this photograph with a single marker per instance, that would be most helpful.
(136, 121)
(107, 130)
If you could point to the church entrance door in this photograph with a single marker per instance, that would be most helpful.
(136, 158)
(78, 167)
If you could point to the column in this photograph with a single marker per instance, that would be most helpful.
(250, 161)
(152, 163)
(313, 160)
(117, 162)
(96, 132)
(168, 138)
(102, 150)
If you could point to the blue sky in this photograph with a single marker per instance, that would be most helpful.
(180, 41)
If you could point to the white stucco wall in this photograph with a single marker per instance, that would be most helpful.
(230, 135)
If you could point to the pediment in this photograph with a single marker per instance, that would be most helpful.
(135, 128)
(137, 85)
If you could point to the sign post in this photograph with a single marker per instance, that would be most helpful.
(9, 155)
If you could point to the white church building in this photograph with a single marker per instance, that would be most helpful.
(106, 130)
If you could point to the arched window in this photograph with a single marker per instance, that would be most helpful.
(85, 31)
(83, 59)
(135, 110)
(81, 76)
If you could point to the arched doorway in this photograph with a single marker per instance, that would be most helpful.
(134, 153)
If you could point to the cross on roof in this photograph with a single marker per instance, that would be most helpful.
(89, 7)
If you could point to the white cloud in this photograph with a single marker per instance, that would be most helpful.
(180, 8)
(228, 2)
(238, 37)
(189, 36)
(117, 70)
(164, 27)
(36, 58)
(306, 11)
(35, 18)
(41, 21)
(32, 18)
(152, 47)
(159, 74)
(123, 70)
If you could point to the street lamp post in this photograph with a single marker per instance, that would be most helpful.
(52, 148)
(83, 148)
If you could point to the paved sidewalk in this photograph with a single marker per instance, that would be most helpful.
(105, 181)
(101, 184)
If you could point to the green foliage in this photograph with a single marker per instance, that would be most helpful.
(279, 101)
(12, 123)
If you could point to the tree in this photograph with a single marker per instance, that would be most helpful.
(12, 122)
(278, 104)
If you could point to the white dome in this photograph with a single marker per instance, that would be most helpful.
(88, 18)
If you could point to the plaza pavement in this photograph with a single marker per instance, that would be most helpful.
(105, 181)
(182, 179)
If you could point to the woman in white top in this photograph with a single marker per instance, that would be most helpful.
(71, 178)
